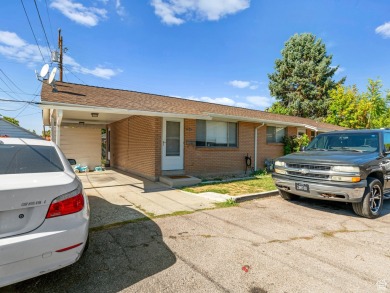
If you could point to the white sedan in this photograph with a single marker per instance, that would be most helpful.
(44, 212)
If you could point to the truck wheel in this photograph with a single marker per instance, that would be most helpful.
(372, 203)
(288, 196)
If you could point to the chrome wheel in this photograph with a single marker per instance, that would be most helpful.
(375, 199)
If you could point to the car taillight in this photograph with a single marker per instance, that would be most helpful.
(66, 204)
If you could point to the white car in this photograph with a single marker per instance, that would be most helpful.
(44, 212)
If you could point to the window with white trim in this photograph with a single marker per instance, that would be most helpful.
(275, 134)
(216, 133)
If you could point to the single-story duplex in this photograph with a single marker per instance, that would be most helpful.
(153, 135)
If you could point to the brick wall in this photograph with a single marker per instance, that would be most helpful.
(136, 148)
(200, 161)
(136, 145)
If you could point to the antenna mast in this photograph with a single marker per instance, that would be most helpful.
(60, 47)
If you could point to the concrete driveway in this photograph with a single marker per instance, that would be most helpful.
(267, 245)
(117, 196)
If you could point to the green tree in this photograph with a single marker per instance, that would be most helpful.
(344, 103)
(303, 78)
(12, 120)
(349, 108)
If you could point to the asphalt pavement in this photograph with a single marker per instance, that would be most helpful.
(266, 245)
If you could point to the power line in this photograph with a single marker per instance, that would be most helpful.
(74, 75)
(18, 101)
(22, 110)
(13, 98)
(28, 19)
(12, 81)
(48, 16)
(12, 92)
(40, 19)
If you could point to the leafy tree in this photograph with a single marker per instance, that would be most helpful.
(303, 78)
(294, 143)
(344, 102)
(12, 120)
(349, 108)
(46, 133)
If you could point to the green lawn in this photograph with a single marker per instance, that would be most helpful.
(259, 184)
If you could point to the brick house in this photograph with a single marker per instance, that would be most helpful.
(152, 135)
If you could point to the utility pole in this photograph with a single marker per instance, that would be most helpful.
(60, 47)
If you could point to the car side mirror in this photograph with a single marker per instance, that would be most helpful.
(302, 148)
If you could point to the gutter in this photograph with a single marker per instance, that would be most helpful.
(256, 144)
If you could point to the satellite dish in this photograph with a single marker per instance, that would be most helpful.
(44, 71)
(52, 75)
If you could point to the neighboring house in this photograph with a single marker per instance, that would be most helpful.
(8, 129)
(153, 135)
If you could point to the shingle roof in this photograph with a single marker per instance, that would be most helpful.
(84, 95)
(12, 130)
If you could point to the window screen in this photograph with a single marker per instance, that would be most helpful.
(275, 134)
(216, 133)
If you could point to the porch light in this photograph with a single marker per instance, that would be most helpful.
(95, 114)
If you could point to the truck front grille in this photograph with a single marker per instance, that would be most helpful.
(308, 166)
(308, 175)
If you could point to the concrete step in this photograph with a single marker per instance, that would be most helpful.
(177, 181)
(172, 172)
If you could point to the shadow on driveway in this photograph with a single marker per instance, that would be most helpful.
(340, 208)
(116, 259)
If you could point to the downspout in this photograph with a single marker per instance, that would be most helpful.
(58, 126)
(256, 144)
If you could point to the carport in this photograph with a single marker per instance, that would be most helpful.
(77, 130)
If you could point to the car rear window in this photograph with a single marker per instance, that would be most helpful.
(18, 159)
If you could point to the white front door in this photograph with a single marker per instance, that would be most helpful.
(172, 144)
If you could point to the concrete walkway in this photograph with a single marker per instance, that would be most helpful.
(117, 196)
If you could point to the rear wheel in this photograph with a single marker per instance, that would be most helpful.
(288, 196)
(372, 203)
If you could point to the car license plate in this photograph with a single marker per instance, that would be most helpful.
(302, 187)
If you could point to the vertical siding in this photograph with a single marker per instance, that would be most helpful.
(136, 145)
(82, 144)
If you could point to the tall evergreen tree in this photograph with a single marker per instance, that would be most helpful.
(303, 78)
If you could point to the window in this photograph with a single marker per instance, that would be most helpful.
(275, 134)
(387, 141)
(301, 131)
(19, 159)
(216, 133)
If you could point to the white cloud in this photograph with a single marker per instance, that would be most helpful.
(98, 71)
(339, 70)
(176, 12)
(120, 10)
(384, 30)
(240, 83)
(15, 48)
(11, 39)
(88, 16)
(244, 84)
(260, 102)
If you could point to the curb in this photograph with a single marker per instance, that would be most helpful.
(252, 196)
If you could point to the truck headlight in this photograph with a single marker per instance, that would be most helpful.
(346, 178)
(280, 171)
(349, 169)
(280, 164)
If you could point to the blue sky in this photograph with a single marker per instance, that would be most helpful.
(218, 51)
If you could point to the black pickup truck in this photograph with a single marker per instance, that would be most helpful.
(348, 166)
